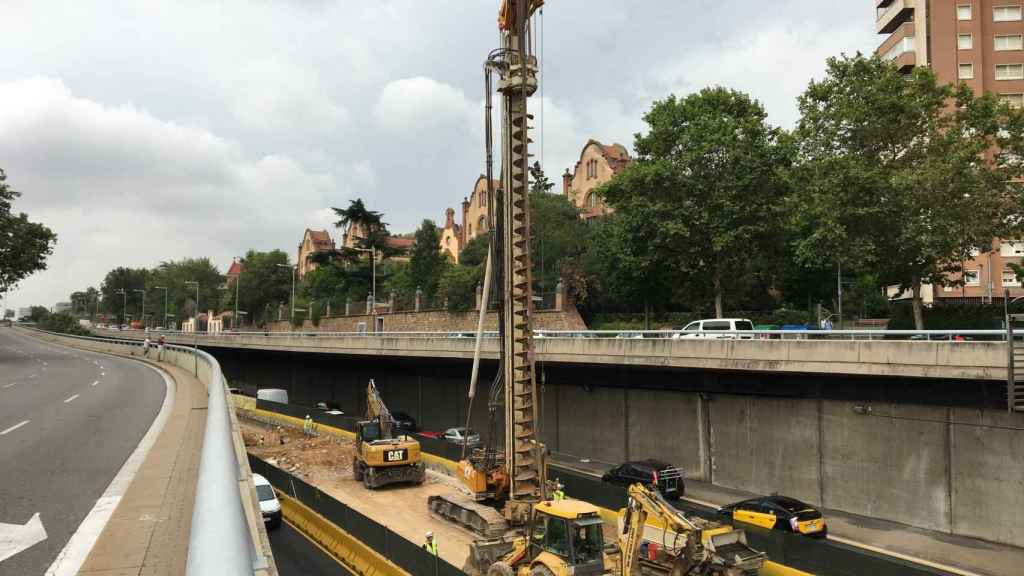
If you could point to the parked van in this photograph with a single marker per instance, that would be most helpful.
(273, 395)
(717, 328)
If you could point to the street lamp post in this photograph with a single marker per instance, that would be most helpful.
(373, 267)
(294, 268)
(124, 309)
(164, 288)
(238, 281)
(195, 328)
(143, 316)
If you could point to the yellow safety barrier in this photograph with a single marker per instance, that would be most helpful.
(353, 554)
(609, 516)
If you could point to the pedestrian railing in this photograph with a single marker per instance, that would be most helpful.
(227, 535)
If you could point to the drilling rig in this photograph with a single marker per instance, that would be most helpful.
(512, 476)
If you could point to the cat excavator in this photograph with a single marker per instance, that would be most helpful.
(382, 457)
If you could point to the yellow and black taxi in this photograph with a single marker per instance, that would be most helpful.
(778, 513)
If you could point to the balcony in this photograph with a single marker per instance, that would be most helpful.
(894, 15)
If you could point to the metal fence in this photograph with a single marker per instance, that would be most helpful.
(741, 335)
(220, 541)
(405, 554)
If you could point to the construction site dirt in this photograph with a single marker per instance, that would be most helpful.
(325, 461)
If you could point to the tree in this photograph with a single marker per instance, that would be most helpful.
(704, 193)
(427, 262)
(177, 276)
(474, 253)
(457, 287)
(538, 180)
(116, 303)
(892, 176)
(24, 245)
(557, 235)
(38, 313)
(265, 285)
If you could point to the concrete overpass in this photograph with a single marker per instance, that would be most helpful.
(961, 360)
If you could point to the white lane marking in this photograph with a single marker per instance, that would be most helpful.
(70, 399)
(15, 427)
(95, 382)
(17, 537)
(73, 555)
(9, 385)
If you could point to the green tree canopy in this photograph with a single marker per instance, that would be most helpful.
(264, 284)
(700, 203)
(892, 176)
(24, 245)
(427, 262)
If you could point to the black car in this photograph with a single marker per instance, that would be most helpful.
(404, 422)
(778, 513)
(665, 476)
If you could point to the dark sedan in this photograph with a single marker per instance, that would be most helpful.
(666, 477)
(778, 513)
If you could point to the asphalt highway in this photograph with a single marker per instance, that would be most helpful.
(68, 421)
(296, 555)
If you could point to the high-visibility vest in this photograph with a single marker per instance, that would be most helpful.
(431, 546)
(559, 495)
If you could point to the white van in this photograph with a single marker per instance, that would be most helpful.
(717, 328)
(270, 507)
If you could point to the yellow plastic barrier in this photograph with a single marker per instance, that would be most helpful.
(351, 553)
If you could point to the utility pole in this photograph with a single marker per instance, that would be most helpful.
(143, 292)
(195, 328)
(164, 288)
(293, 286)
(238, 280)
(124, 309)
(839, 284)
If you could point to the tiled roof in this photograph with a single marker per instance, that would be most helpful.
(320, 238)
(235, 269)
(400, 241)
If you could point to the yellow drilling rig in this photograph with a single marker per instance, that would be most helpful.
(548, 537)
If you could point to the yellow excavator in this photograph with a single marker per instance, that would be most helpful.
(681, 545)
(381, 456)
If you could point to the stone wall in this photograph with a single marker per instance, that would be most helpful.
(434, 321)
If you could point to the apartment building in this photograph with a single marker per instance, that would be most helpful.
(598, 163)
(980, 42)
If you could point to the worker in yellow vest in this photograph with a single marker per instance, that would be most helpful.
(430, 545)
(558, 495)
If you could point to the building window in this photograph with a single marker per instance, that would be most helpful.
(971, 278)
(966, 72)
(1011, 248)
(1009, 42)
(591, 200)
(469, 229)
(964, 41)
(963, 12)
(481, 225)
(483, 198)
(1010, 278)
(1009, 71)
(1006, 13)
(1014, 100)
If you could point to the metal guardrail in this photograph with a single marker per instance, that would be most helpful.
(220, 540)
(795, 334)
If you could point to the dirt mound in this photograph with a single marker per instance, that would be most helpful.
(311, 458)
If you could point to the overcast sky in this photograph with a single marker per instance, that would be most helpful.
(150, 131)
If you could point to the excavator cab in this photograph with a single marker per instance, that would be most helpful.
(566, 541)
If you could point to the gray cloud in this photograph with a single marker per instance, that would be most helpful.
(146, 132)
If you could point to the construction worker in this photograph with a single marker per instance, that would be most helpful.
(307, 426)
(430, 545)
(558, 495)
(145, 346)
(160, 346)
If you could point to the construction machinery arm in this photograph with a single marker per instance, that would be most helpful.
(507, 12)
(377, 410)
(644, 502)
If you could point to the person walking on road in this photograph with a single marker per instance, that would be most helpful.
(160, 347)
(430, 545)
(145, 346)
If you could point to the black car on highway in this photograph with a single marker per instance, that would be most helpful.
(404, 422)
(665, 476)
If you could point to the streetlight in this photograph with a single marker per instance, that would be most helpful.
(166, 314)
(195, 327)
(373, 265)
(238, 281)
(294, 268)
(124, 309)
(143, 292)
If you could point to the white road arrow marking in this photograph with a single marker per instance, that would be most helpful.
(15, 427)
(17, 537)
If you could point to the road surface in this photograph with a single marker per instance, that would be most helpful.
(296, 555)
(68, 421)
